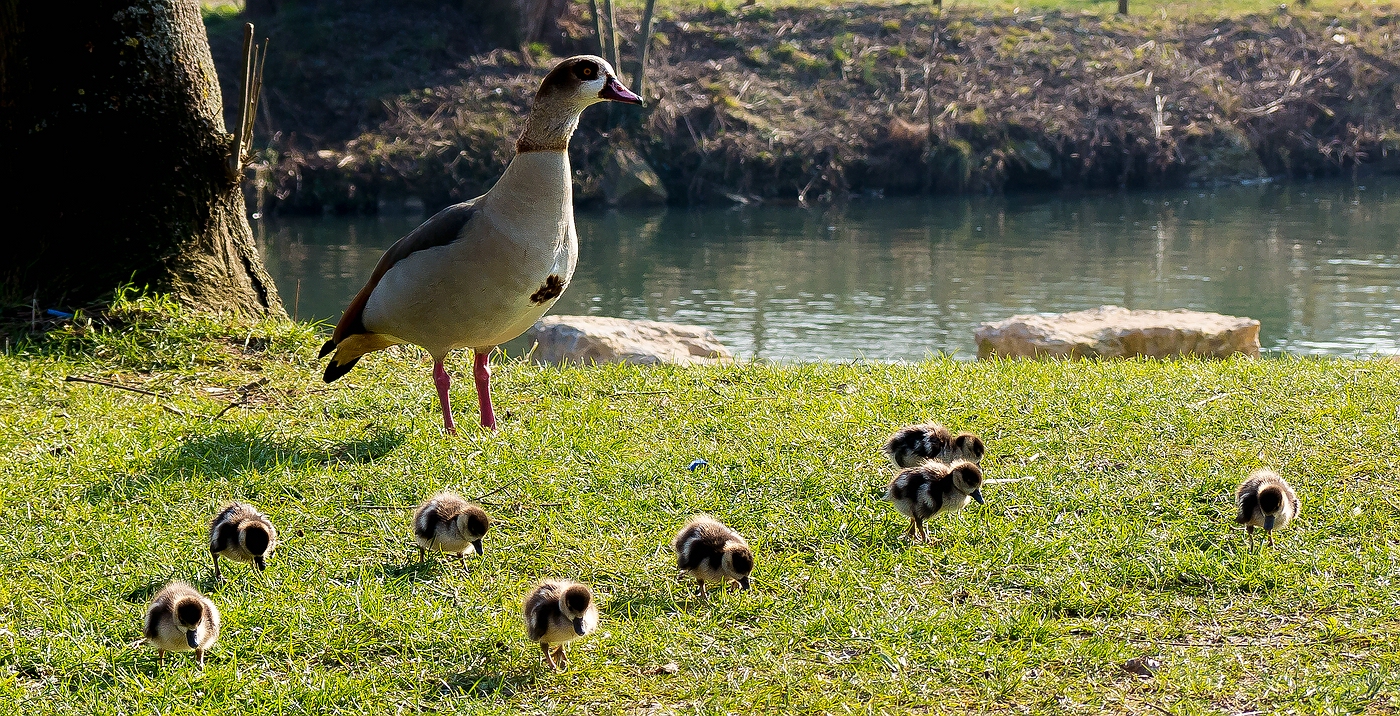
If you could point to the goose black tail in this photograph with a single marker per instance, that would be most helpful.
(326, 348)
(335, 370)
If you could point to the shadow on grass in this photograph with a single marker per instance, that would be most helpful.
(229, 452)
(488, 683)
(234, 450)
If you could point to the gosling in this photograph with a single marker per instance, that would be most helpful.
(242, 534)
(557, 612)
(712, 552)
(448, 523)
(934, 488)
(912, 445)
(1265, 500)
(181, 619)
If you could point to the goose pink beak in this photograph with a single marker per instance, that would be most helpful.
(614, 91)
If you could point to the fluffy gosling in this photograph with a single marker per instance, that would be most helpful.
(181, 619)
(240, 533)
(557, 612)
(912, 445)
(712, 552)
(1265, 500)
(448, 523)
(933, 488)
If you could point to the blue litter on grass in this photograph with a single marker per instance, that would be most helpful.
(697, 462)
(58, 313)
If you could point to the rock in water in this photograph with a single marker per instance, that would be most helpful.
(628, 180)
(594, 339)
(1116, 332)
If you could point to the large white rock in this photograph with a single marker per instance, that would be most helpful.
(595, 339)
(1116, 332)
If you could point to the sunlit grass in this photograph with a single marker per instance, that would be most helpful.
(1116, 542)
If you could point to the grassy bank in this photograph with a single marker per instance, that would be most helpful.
(370, 105)
(1116, 542)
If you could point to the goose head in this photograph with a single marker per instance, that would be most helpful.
(255, 538)
(967, 479)
(967, 446)
(581, 81)
(189, 613)
(571, 87)
(737, 562)
(1271, 504)
(574, 604)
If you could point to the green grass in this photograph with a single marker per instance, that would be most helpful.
(1116, 543)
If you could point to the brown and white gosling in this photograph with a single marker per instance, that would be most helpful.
(181, 619)
(448, 523)
(1265, 500)
(557, 612)
(934, 488)
(240, 533)
(911, 445)
(712, 552)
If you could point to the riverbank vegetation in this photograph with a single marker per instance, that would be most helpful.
(816, 101)
(1112, 540)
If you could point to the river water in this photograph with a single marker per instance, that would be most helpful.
(900, 279)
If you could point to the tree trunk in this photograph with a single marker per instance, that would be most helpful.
(639, 84)
(113, 142)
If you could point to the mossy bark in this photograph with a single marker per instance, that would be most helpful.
(113, 140)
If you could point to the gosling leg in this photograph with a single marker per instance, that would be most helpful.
(549, 656)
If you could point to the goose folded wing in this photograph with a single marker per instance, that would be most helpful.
(442, 229)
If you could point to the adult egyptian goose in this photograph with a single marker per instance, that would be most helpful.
(481, 272)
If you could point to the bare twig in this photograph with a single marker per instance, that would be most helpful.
(94, 381)
(502, 487)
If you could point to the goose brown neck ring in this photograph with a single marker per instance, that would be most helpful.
(548, 129)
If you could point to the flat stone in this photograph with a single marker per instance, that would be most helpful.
(1116, 332)
(595, 339)
(628, 180)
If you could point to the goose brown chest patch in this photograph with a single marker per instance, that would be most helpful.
(553, 286)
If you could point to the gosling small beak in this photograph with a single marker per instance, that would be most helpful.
(479, 550)
(578, 626)
(259, 562)
(977, 495)
(1269, 522)
(192, 636)
(613, 91)
(744, 583)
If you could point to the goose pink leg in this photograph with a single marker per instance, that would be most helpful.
(444, 382)
(482, 369)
